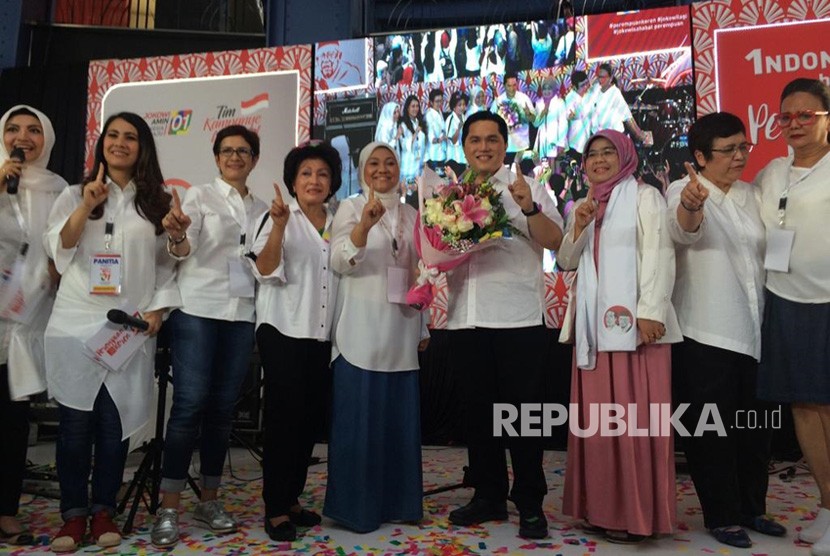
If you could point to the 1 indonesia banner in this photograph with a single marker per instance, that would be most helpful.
(186, 114)
(752, 66)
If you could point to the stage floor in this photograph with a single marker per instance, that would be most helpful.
(791, 502)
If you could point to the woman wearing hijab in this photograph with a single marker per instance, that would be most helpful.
(389, 130)
(478, 101)
(375, 443)
(24, 209)
(108, 243)
(623, 485)
(295, 306)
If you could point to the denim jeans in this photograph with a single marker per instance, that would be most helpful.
(210, 360)
(77, 432)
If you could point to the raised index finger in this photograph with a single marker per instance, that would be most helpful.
(177, 204)
(371, 193)
(100, 177)
(278, 193)
(691, 171)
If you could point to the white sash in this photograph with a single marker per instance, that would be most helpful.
(606, 311)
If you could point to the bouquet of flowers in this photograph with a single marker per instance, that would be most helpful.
(456, 219)
(511, 113)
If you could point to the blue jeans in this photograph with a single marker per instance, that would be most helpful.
(210, 360)
(78, 431)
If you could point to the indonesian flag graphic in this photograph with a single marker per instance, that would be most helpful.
(255, 104)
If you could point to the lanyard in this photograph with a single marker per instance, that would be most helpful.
(397, 237)
(18, 214)
(782, 202)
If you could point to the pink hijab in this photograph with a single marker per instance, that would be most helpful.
(628, 164)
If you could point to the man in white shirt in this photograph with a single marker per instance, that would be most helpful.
(517, 109)
(497, 336)
(436, 153)
(715, 222)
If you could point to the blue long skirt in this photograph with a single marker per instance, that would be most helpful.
(374, 455)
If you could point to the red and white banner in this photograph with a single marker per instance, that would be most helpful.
(752, 66)
(618, 35)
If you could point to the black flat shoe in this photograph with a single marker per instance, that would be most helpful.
(284, 532)
(765, 526)
(479, 511)
(737, 538)
(23, 538)
(304, 518)
(533, 525)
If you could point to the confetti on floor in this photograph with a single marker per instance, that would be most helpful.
(791, 502)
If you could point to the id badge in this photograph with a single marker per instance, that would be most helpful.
(779, 249)
(397, 284)
(105, 274)
(242, 283)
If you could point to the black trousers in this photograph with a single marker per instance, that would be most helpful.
(729, 472)
(15, 419)
(501, 366)
(297, 383)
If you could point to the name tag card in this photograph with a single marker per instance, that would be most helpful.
(242, 282)
(18, 301)
(105, 274)
(114, 345)
(779, 249)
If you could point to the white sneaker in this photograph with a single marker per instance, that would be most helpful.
(822, 546)
(817, 528)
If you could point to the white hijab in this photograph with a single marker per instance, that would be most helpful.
(392, 197)
(35, 176)
(387, 123)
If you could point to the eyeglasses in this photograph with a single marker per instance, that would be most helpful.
(607, 152)
(745, 148)
(804, 117)
(242, 152)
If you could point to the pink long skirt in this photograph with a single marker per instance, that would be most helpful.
(623, 483)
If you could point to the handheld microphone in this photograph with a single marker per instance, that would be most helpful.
(117, 316)
(12, 181)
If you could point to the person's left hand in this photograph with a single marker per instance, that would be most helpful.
(154, 319)
(650, 330)
(520, 190)
(422, 345)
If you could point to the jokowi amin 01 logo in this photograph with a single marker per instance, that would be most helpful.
(179, 123)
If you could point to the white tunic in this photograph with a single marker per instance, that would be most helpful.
(148, 283)
(719, 287)
(369, 331)
(606, 109)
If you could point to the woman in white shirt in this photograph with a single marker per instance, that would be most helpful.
(23, 214)
(715, 222)
(106, 238)
(375, 443)
(624, 484)
(795, 357)
(295, 306)
(212, 333)
(454, 124)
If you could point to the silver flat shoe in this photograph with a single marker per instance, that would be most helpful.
(213, 516)
(165, 531)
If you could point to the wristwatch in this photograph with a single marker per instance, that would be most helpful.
(537, 208)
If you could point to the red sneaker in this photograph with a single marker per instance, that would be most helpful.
(71, 535)
(104, 531)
